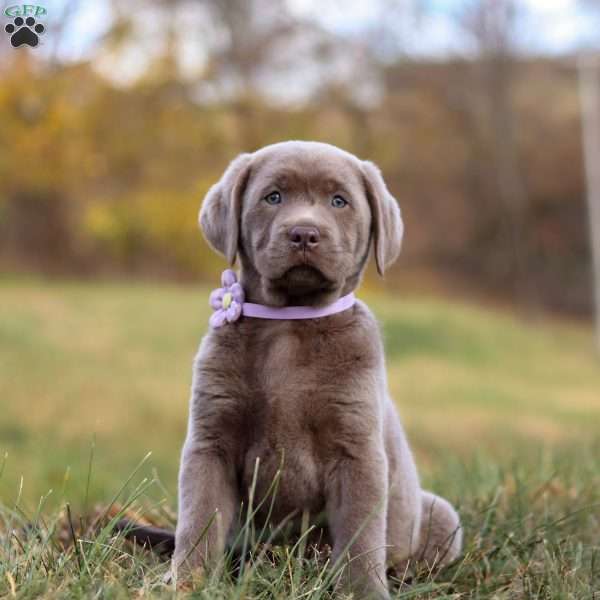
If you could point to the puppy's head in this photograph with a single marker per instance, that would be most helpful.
(302, 217)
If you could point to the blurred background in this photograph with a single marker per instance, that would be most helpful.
(114, 127)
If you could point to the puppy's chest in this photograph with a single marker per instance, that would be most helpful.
(302, 397)
(285, 382)
(305, 365)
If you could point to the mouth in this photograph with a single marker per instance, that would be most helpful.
(302, 279)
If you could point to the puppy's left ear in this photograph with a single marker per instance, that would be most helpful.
(221, 210)
(388, 228)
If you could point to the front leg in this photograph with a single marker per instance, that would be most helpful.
(208, 500)
(356, 513)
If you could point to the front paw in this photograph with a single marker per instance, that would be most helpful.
(363, 587)
(184, 576)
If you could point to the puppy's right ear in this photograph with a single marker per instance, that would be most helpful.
(221, 210)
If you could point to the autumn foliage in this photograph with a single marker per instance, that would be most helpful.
(483, 154)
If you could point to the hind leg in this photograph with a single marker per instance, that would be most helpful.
(421, 527)
(441, 533)
(438, 540)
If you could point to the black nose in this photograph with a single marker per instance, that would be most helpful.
(304, 237)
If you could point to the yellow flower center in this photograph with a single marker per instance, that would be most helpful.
(227, 300)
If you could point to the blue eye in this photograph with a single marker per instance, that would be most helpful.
(273, 198)
(338, 202)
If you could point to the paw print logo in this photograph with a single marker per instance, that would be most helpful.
(24, 32)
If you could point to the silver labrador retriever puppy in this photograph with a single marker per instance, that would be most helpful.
(302, 217)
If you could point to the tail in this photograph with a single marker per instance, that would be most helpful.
(161, 541)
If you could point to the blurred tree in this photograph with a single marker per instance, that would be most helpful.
(590, 98)
(42, 162)
(491, 24)
(103, 162)
(590, 104)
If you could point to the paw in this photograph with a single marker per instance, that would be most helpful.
(185, 585)
(363, 587)
(183, 578)
(24, 32)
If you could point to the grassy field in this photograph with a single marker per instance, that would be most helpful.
(504, 416)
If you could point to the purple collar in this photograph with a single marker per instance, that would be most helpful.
(228, 304)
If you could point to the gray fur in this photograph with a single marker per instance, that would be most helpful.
(312, 390)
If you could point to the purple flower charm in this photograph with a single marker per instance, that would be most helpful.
(226, 301)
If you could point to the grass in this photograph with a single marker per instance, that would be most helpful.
(504, 416)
